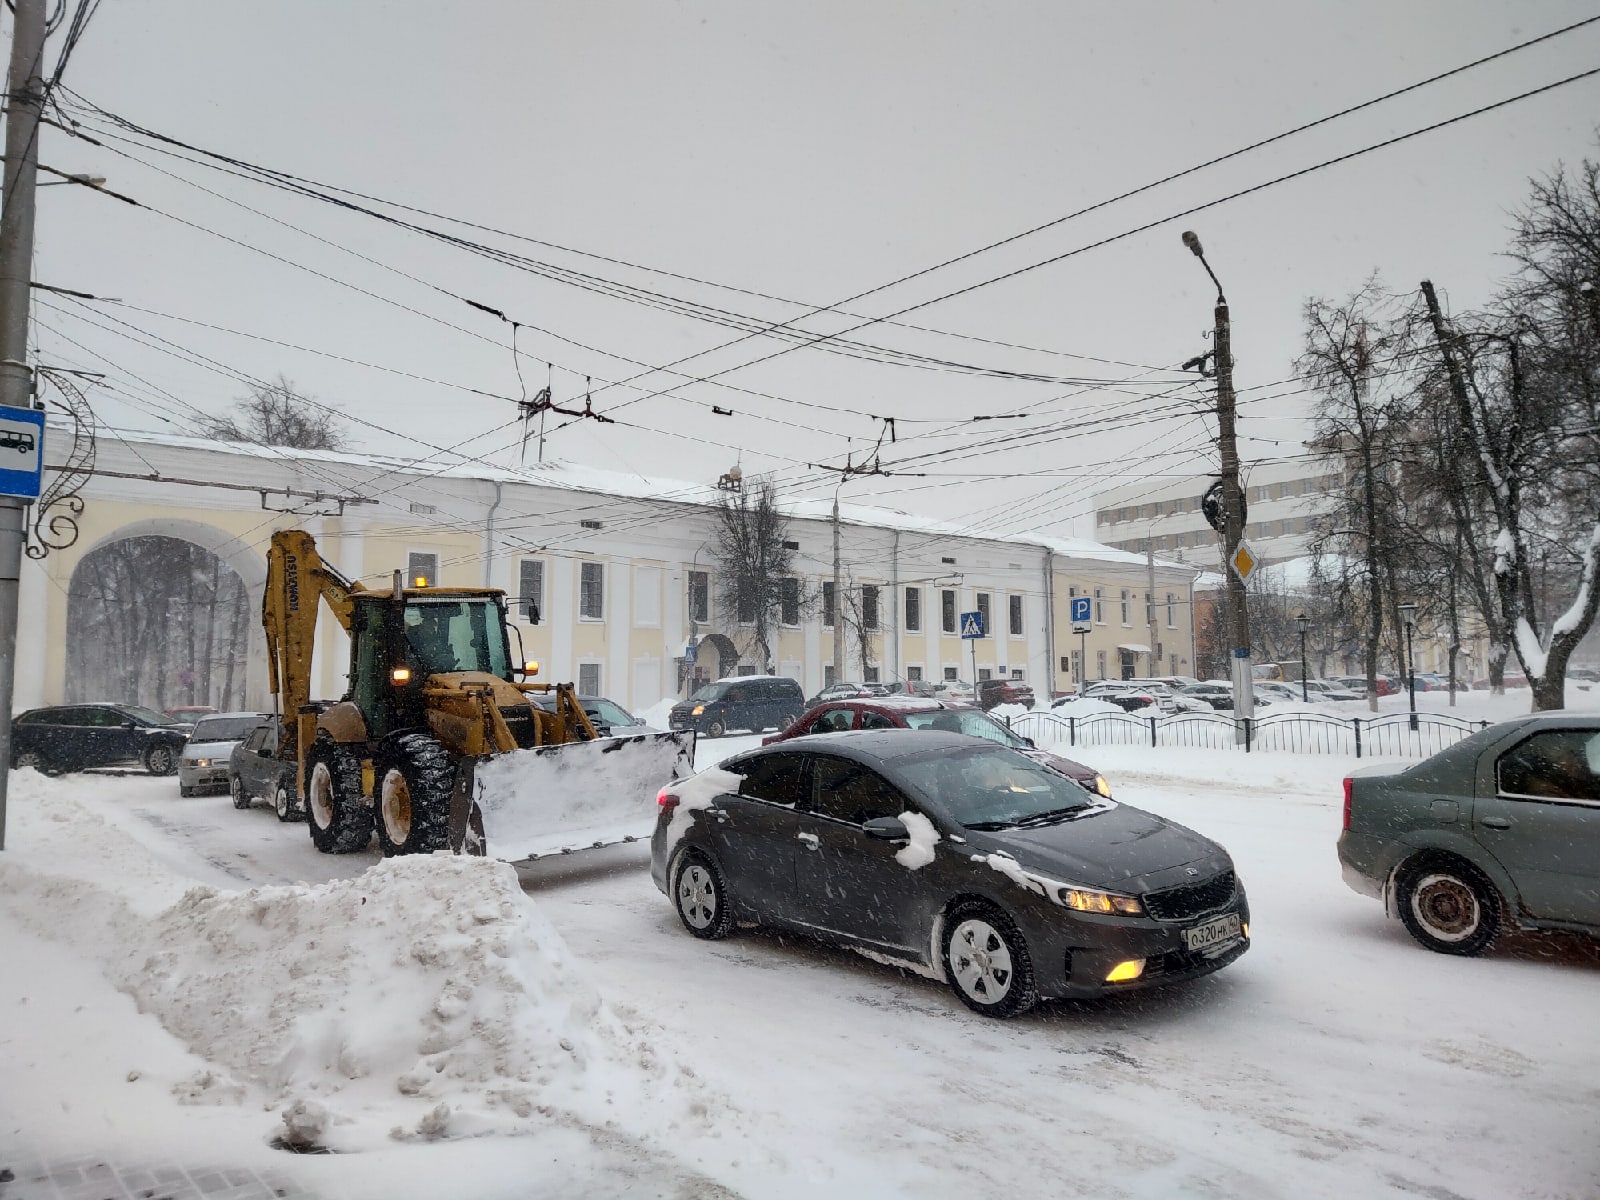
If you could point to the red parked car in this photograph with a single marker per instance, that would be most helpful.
(908, 712)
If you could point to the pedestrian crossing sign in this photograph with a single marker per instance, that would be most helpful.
(971, 625)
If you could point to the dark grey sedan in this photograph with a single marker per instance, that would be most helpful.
(256, 772)
(953, 856)
(1499, 831)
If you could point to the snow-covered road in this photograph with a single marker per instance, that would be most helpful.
(1336, 1059)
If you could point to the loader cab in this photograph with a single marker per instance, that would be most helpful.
(394, 648)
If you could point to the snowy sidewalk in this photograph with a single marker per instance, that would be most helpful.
(26, 1176)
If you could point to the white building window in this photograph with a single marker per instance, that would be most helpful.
(947, 615)
(1099, 606)
(592, 592)
(789, 604)
(589, 679)
(914, 611)
(984, 615)
(1127, 611)
(530, 591)
(700, 597)
(1172, 612)
(647, 596)
(1014, 615)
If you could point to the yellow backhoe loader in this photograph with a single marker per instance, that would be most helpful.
(440, 741)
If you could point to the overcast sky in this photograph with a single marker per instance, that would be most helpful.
(807, 152)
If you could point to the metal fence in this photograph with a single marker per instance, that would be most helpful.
(1397, 735)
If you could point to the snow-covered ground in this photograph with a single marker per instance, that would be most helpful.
(457, 1036)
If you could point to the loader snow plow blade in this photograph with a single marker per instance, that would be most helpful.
(526, 804)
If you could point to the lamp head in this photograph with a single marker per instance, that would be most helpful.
(1192, 240)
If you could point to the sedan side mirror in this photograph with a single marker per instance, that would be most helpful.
(1032, 745)
(887, 829)
(130, 725)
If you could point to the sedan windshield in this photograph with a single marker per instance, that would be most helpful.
(964, 720)
(224, 729)
(985, 787)
(609, 713)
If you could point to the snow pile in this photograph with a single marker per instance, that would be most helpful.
(429, 990)
(426, 998)
(659, 714)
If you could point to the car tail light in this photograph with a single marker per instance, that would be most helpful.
(1347, 792)
(666, 800)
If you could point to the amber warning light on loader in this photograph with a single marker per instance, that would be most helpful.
(531, 667)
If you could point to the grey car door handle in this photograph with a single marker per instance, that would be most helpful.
(810, 839)
(1496, 823)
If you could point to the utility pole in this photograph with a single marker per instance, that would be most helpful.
(1238, 614)
(25, 95)
(838, 596)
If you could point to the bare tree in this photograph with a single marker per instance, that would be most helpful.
(863, 617)
(1359, 418)
(755, 579)
(278, 414)
(1525, 385)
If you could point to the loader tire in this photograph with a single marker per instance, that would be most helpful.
(340, 820)
(411, 795)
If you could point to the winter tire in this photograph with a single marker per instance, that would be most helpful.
(283, 802)
(986, 961)
(160, 760)
(31, 758)
(340, 820)
(716, 729)
(185, 791)
(411, 793)
(701, 897)
(1449, 907)
(240, 797)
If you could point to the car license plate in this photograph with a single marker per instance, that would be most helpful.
(1212, 933)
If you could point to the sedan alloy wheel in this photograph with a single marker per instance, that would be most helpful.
(701, 898)
(987, 962)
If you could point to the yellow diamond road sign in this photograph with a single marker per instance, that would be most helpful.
(1243, 561)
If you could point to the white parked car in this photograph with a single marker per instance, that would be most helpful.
(203, 765)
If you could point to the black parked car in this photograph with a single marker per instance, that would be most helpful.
(753, 702)
(255, 772)
(950, 853)
(71, 737)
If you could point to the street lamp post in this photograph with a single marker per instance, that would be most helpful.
(1408, 615)
(1304, 622)
(1237, 610)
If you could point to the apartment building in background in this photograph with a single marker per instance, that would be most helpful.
(1282, 500)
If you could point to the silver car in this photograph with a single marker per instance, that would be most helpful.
(203, 765)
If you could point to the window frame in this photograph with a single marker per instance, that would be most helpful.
(521, 610)
(1016, 616)
(784, 602)
(913, 603)
(703, 617)
(600, 567)
(949, 611)
(600, 676)
(816, 810)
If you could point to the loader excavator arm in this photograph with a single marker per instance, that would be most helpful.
(296, 579)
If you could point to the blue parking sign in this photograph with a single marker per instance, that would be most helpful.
(1082, 614)
(21, 451)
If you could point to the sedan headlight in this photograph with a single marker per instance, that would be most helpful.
(1089, 900)
(1082, 899)
(200, 762)
(1101, 786)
